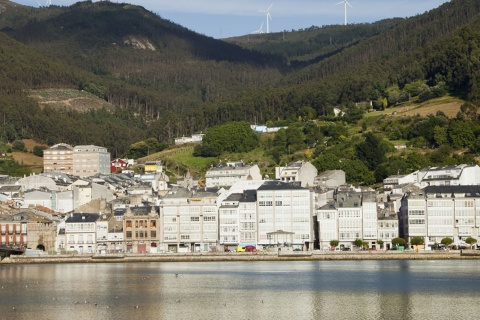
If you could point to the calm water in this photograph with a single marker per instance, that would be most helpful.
(243, 290)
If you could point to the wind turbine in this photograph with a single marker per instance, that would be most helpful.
(259, 30)
(345, 2)
(267, 12)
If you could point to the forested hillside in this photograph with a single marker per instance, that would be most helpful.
(163, 80)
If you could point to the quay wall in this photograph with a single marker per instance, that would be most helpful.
(257, 256)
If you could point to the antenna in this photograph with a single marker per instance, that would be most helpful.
(268, 16)
(345, 3)
(259, 30)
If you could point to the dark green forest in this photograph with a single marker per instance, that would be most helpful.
(164, 81)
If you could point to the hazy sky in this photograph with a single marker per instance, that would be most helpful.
(228, 18)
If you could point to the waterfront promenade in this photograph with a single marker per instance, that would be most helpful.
(243, 256)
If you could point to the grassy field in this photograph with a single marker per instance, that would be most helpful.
(68, 98)
(449, 105)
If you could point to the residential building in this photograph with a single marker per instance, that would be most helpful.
(80, 232)
(227, 175)
(190, 220)
(195, 138)
(238, 220)
(141, 227)
(461, 175)
(387, 228)
(330, 179)
(13, 231)
(117, 165)
(439, 212)
(58, 158)
(90, 160)
(352, 215)
(300, 172)
(284, 215)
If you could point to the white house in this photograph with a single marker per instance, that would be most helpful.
(300, 172)
(80, 232)
(227, 175)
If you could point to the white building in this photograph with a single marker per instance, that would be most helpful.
(441, 212)
(195, 138)
(330, 179)
(80, 232)
(238, 220)
(461, 175)
(352, 215)
(300, 172)
(285, 210)
(227, 175)
(189, 220)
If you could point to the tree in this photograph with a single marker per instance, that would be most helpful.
(38, 150)
(446, 241)
(398, 242)
(417, 241)
(18, 145)
(371, 151)
(380, 243)
(334, 243)
(471, 241)
(358, 243)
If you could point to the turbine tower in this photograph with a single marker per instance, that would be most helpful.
(268, 16)
(345, 3)
(259, 30)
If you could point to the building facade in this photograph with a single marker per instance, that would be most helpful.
(441, 212)
(89, 160)
(58, 158)
(227, 175)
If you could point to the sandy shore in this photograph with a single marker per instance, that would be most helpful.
(257, 256)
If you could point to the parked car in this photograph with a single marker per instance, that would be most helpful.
(250, 249)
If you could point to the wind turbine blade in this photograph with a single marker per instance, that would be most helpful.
(270, 7)
(348, 4)
(269, 16)
(343, 2)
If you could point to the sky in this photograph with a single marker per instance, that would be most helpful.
(230, 18)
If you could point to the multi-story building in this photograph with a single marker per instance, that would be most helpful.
(330, 179)
(284, 215)
(227, 175)
(351, 215)
(141, 227)
(13, 231)
(439, 212)
(58, 158)
(387, 228)
(90, 160)
(237, 220)
(80, 232)
(190, 220)
(300, 172)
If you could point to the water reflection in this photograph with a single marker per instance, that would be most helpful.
(242, 290)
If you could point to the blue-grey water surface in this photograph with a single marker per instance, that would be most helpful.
(243, 290)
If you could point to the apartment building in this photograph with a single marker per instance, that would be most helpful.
(439, 212)
(89, 160)
(284, 215)
(82, 161)
(227, 175)
(190, 220)
(141, 225)
(58, 158)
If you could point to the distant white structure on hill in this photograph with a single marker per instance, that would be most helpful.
(265, 129)
(195, 138)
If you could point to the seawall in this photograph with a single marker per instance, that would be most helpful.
(257, 256)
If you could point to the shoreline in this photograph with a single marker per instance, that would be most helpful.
(247, 257)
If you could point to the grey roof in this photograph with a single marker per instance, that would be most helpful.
(249, 196)
(10, 188)
(473, 191)
(278, 185)
(82, 218)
